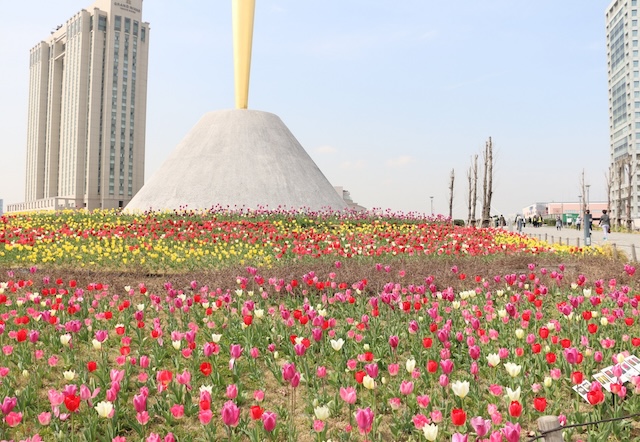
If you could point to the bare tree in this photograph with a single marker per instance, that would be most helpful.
(487, 190)
(473, 192)
(451, 195)
(470, 182)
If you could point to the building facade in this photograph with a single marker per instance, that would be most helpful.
(623, 73)
(87, 110)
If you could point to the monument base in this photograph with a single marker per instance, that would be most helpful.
(238, 159)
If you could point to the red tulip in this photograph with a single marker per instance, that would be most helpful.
(515, 409)
(72, 402)
(577, 377)
(540, 404)
(92, 366)
(595, 397)
(458, 417)
(543, 332)
(256, 412)
(205, 368)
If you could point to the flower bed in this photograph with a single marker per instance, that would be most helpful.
(384, 348)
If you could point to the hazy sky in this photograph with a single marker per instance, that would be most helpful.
(387, 96)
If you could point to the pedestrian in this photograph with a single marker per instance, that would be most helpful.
(558, 223)
(520, 223)
(604, 223)
(578, 222)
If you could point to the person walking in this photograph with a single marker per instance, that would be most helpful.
(558, 223)
(578, 222)
(604, 223)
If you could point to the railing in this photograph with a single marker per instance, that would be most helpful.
(551, 429)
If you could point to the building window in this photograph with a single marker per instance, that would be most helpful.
(102, 23)
(143, 32)
(127, 25)
(616, 45)
(118, 23)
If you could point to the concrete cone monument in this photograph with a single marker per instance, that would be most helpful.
(238, 158)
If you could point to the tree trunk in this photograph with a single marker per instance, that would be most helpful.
(475, 190)
(451, 195)
(487, 184)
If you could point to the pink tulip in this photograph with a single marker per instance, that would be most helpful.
(457, 437)
(372, 370)
(33, 336)
(13, 419)
(144, 361)
(8, 404)
(348, 395)
(480, 425)
(295, 380)
(204, 416)
(230, 414)
(269, 421)
(436, 416)
(394, 341)
(446, 365)
(393, 369)
(406, 388)
(55, 398)
(300, 349)
(258, 395)
(139, 402)
(232, 391)
(177, 411)
(142, 417)
(444, 380)
(511, 432)
(496, 436)
(364, 419)
(423, 401)
(318, 425)
(235, 350)
(44, 418)
(288, 370)
(183, 378)
(420, 420)
(254, 352)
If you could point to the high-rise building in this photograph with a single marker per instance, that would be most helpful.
(623, 73)
(87, 110)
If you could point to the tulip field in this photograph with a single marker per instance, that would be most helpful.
(282, 326)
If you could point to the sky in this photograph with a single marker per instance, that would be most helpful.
(387, 96)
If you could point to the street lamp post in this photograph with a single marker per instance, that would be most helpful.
(587, 220)
(431, 204)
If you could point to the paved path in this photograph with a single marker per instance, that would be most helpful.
(622, 241)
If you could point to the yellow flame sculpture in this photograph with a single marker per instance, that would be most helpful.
(243, 13)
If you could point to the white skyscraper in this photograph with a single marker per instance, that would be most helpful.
(87, 110)
(623, 72)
